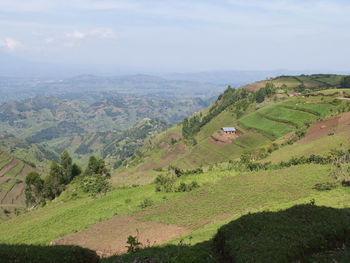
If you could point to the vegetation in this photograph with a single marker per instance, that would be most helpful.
(284, 236)
(46, 254)
(224, 193)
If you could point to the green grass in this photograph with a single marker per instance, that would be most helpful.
(295, 117)
(237, 195)
(5, 161)
(319, 109)
(321, 146)
(269, 127)
(9, 184)
(61, 218)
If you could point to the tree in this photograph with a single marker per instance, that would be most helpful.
(346, 82)
(97, 166)
(69, 169)
(67, 166)
(54, 183)
(33, 189)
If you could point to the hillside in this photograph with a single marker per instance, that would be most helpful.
(277, 121)
(12, 177)
(82, 123)
(191, 188)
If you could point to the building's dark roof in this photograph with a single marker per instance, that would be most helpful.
(229, 129)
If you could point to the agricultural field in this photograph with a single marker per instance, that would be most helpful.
(12, 176)
(269, 127)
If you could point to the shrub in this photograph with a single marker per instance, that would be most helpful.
(46, 254)
(283, 236)
(95, 184)
(146, 203)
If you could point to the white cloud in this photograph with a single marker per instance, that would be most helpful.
(10, 44)
(76, 35)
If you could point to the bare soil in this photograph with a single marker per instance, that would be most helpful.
(255, 86)
(109, 237)
(221, 138)
(8, 167)
(327, 127)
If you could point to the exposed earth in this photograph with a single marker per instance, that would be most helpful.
(109, 237)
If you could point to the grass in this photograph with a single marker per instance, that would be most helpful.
(236, 195)
(282, 114)
(269, 127)
(320, 146)
(5, 161)
(319, 109)
(67, 216)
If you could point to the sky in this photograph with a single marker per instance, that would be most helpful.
(179, 35)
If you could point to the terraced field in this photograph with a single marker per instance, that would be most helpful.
(12, 176)
(280, 119)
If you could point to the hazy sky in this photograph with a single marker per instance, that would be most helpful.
(180, 35)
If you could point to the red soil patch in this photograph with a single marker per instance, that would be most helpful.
(175, 136)
(327, 127)
(164, 145)
(8, 167)
(171, 155)
(221, 138)
(255, 86)
(109, 237)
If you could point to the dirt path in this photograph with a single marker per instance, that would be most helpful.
(109, 237)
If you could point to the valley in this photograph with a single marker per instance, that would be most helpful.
(177, 191)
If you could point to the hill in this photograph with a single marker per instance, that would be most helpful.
(192, 187)
(12, 183)
(279, 120)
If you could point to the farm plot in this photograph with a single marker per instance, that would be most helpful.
(292, 116)
(314, 108)
(269, 127)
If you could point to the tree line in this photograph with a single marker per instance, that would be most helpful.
(93, 180)
(241, 98)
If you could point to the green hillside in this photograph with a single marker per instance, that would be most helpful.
(199, 194)
(12, 176)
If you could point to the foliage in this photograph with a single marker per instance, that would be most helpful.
(97, 166)
(283, 236)
(133, 244)
(95, 184)
(346, 82)
(191, 126)
(33, 189)
(146, 203)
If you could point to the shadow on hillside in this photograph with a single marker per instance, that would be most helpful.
(304, 233)
(49, 254)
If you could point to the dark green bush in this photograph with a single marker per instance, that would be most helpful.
(46, 254)
(283, 236)
(146, 203)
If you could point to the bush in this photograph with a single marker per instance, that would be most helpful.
(46, 254)
(183, 187)
(283, 236)
(95, 184)
(146, 203)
